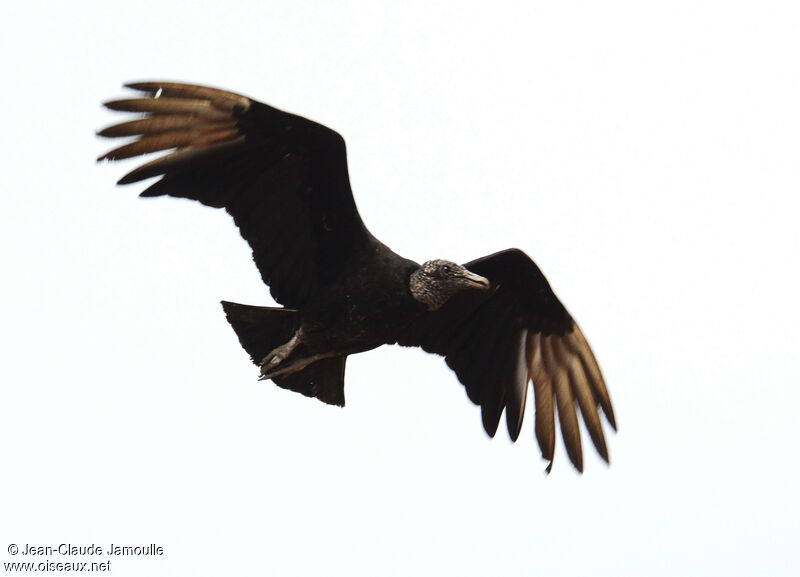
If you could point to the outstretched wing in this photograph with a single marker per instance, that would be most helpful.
(282, 177)
(518, 332)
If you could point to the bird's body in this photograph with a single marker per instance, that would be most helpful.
(284, 180)
(342, 318)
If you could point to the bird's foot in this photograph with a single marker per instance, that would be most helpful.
(278, 355)
(291, 367)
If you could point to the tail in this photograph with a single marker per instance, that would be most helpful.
(262, 329)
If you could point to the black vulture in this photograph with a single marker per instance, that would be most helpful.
(284, 180)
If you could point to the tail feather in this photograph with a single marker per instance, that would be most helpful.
(323, 380)
(262, 329)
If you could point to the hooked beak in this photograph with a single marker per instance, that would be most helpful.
(477, 281)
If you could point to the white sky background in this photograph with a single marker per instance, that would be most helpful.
(645, 156)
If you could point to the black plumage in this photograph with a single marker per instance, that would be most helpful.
(284, 180)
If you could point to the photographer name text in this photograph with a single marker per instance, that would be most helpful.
(65, 549)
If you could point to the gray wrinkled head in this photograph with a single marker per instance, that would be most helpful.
(437, 280)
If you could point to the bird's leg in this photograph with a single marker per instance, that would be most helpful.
(294, 366)
(279, 354)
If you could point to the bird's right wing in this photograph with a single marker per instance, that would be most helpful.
(497, 341)
(282, 177)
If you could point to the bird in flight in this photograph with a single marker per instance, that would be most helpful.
(284, 180)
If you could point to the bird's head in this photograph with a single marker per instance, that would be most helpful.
(436, 281)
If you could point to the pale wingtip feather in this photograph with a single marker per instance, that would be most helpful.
(582, 393)
(565, 403)
(544, 408)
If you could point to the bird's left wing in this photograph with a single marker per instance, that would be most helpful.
(497, 342)
(282, 177)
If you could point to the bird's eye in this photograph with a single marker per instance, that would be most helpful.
(445, 268)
